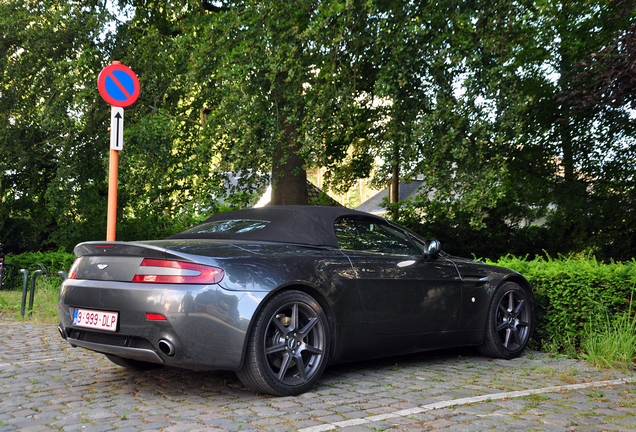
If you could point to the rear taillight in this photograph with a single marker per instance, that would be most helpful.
(176, 272)
(72, 273)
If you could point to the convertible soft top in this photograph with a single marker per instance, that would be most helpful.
(307, 225)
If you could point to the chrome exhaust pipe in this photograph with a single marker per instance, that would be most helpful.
(62, 332)
(166, 347)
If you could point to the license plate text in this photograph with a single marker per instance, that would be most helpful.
(95, 319)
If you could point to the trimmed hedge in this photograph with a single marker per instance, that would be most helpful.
(575, 295)
(53, 261)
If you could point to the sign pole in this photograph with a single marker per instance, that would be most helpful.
(116, 144)
(113, 177)
(113, 174)
(119, 86)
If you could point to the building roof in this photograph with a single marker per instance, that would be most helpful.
(314, 193)
(375, 204)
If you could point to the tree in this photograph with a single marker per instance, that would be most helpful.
(51, 171)
(406, 44)
(505, 147)
(262, 86)
(513, 111)
(601, 88)
(464, 132)
(586, 148)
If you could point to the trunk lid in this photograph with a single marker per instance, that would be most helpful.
(114, 261)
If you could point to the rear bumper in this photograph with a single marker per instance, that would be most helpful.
(205, 325)
(141, 354)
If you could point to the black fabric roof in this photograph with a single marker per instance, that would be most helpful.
(308, 225)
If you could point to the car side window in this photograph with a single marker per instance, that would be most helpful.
(370, 236)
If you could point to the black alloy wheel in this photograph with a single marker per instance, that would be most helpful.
(288, 347)
(510, 322)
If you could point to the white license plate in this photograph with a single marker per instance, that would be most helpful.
(95, 319)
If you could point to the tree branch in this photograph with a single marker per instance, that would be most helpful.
(178, 118)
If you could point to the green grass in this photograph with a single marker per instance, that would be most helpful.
(44, 302)
(611, 342)
(614, 346)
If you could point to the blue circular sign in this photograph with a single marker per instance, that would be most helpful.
(118, 85)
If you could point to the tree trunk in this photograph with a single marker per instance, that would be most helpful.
(289, 178)
(395, 184)
(394, 191)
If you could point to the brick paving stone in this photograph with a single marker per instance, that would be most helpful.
(611, 427)
(296, 417)
(245, 418)
(280, 428)
(270, 421)
(440, 423)
(330, 418)
(179, 428)
(156, 426)
(357, 429)
(98, 428)
(267, 412)
(306, 423)
(128, 423)
(44, 383)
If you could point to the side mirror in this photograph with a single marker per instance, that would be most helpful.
(433, 248)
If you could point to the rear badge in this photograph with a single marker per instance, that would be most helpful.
(102, 266)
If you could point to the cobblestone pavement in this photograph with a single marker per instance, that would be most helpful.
(47, 385)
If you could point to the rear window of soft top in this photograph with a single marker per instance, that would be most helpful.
(234, 226)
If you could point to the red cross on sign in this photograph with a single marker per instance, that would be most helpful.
(118, 85)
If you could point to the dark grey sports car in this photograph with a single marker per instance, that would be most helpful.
(277, 293)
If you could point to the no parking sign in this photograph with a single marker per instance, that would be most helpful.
(118, 85)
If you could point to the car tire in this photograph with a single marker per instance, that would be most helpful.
(132, 364)
(510, 322)
(288, 346)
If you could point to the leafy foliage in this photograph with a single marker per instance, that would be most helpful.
(51, 174)
(575, 296)
(513, 155)
(259, 86)
(516, 114)
(52, 262)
